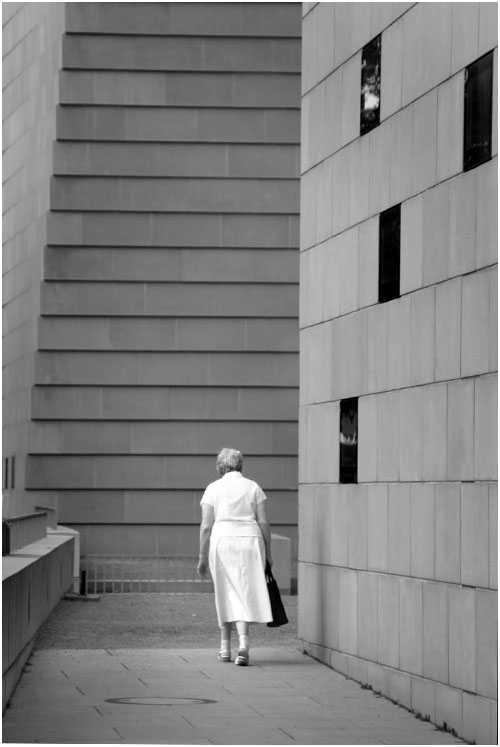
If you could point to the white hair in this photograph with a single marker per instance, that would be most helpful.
(229, 460)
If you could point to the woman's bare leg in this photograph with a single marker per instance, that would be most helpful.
(242, 627)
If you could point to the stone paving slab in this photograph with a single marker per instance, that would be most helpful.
(283, 697)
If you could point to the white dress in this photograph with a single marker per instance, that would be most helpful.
(237, 552)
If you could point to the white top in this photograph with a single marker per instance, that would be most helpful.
(234, 498)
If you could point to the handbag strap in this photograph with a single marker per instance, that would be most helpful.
(269, 572)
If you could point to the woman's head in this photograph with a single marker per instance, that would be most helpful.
(229, 460)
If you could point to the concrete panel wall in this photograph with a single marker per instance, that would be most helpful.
(411, 547)
(169, 305)
(32, 53)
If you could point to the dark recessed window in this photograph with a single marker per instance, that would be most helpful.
(389, 254)
(478, 108)
(348, 471)
(13, 472)
(6, 473)
(370, 85)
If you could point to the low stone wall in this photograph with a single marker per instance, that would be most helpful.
(34, 578)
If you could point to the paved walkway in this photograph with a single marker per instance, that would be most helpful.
(184, 696)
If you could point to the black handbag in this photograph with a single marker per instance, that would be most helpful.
(279, 614)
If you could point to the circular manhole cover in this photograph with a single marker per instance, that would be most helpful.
(160, 700)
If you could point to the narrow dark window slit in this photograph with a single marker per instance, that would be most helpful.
(370, 86)
(348, 464)
(389, 254)
(478, 111)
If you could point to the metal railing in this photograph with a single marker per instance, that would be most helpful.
(111, 574)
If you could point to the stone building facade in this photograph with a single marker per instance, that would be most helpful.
(398, 318)
(151, 237)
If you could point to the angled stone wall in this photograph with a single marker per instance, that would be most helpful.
(398, 572)
(32, 49)
(169, 305)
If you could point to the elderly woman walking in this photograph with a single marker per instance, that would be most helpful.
(235, 541)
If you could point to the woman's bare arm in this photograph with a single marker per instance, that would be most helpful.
(265, 529)
(207, 520)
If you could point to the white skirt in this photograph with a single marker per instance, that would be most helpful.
(237, 561)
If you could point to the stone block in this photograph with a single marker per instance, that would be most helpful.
(388, 621)
(357, 327)
(438, 44)
(367, 439)
(425, 120)
(331, 269)
(462, 257)
(333, 111)
(423, 323)
(254, 403)
(436, 234)
(91, 506)
(348, 611)
(494, 319)
(310, 52)
(460, 430)
(474, 535)
(462, 638)
(422, 537)
(487, 216)
(340, 525)
(308, 210)
(382, 15)
(306, 522)
(378, 678)
(391, 69)
(475, 352)
(400, 688)
(411, 635)
(447, 532)
(423, 698)
(485, 428)
(378, 521)
(325, 17)
(412, 249)
(358, 527)
(360, 180)
(388, 437)
(66, 402)
(357, 670)
(254, 90)
(315, 259)
(450, 127)
(464, 35)
(488, 23)
(380, 168)
(341, 190)
(323, 200)
(330, 606)
(399, 531)
(435, 631)
(349, 271)
(59, 472)
(377, 350)
(486, 651)
(477, 720)
(414, 65)
(367, 616)
(399, 336)
(448, 329)
(493, 534)
(368, 263)
(402, 139)
(322, 523)
(410, 434)
(449, 708)
(323, 442)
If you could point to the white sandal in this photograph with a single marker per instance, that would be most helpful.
(243, 658)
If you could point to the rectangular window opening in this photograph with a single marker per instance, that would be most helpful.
(13, 472)
(478, 111)
(348, 440)
(370, 85)
(6, 473)
(389, 254)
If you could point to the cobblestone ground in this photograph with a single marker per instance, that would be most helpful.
(151, 621)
